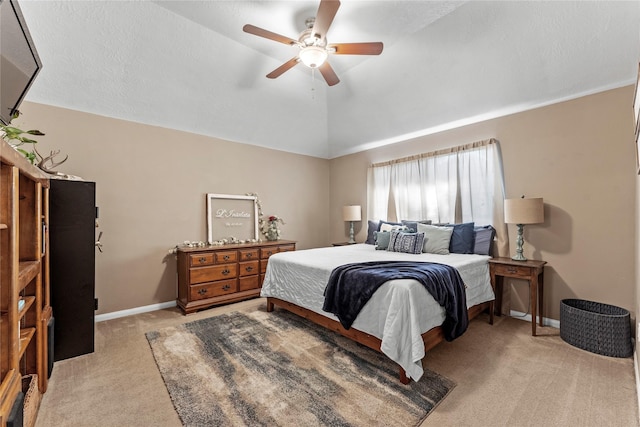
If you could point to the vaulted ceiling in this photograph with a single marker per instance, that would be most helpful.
(188, 65)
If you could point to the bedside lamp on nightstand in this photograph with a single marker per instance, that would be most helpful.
(520, 212)
(351, 214)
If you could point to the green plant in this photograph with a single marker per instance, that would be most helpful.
(17, 137)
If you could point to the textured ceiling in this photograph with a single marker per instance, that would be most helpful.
(188, 65)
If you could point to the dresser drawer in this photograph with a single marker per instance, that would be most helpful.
(209, 290)
(263, 265)
(223, 257)
(249, 282)
(215, 272)
(249, 268)
(512, 271)
(201, 259)
(286, 248)
(268, 251)
(249, 254)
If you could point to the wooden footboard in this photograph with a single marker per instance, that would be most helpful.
(431, 338)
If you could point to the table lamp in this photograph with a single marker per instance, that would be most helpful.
(520, 212)
(351, 214)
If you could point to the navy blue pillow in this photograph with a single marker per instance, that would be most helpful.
(462, 238)
(413, 225)
(373, 227)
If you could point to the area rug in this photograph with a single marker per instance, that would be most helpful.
(278, 369)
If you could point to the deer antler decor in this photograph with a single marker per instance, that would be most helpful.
(42, 163)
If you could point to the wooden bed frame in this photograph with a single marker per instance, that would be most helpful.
(431, 338)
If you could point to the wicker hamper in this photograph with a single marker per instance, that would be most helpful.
(32, 399)
(599, 328)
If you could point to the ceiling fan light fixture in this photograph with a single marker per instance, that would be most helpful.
(313, 56)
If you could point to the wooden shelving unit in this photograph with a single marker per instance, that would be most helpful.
(23, 276)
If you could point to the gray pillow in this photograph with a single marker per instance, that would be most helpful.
(382, 239)
(483, 244)
(436, 239)
(409, 243)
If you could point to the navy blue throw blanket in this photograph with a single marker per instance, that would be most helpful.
(351, 286)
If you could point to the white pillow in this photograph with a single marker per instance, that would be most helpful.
(436, 239)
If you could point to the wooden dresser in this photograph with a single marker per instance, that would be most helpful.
(213, 275)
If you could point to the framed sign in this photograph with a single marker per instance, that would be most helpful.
(231, 216)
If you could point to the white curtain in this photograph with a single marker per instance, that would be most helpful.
(460, 184)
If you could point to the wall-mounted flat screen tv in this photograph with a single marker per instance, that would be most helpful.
(19, 61)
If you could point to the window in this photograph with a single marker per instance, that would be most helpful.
(460, 184)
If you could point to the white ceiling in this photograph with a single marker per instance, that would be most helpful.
(188, 65)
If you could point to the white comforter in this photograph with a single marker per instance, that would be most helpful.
(400, 310)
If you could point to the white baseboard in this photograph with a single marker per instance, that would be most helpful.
(131, 311)
(525, 316)
(635, 368)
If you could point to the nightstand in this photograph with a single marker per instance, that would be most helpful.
(343, 244)
(530, 270)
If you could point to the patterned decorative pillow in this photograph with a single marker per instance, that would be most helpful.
(409, 243)
(382, 239)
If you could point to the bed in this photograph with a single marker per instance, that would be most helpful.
(402, 320)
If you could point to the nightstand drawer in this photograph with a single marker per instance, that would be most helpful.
(209, 290)
(512, 271)
(213, 273)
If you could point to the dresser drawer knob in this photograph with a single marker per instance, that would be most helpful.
(225, 271)
(226, 257)
(249, 255)
(226, 287)
(249, 268)
(202, 260)
(202, 291)
(269, 253)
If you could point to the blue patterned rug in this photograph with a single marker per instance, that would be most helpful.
(278, 369)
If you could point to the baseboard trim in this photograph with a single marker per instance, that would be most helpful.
(132, 311)
(635, 368)
(526, 316)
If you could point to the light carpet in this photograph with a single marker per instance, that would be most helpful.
(278, 369)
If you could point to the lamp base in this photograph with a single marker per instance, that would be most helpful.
(351, 237)
(520, 241)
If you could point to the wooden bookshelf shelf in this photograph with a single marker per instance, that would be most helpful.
(23, 275)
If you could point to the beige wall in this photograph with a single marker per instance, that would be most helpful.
(151, 184)
(579, 156)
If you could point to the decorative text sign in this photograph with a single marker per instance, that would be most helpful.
(230, 216)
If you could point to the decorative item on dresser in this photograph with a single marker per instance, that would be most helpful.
(214, 275)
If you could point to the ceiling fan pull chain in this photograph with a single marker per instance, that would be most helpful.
(313, 87)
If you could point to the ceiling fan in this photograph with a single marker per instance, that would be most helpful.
(314, 49)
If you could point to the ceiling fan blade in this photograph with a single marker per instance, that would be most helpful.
(284, 67)
(373, 48)
(324, 17)
(329, 75)
(257, 31)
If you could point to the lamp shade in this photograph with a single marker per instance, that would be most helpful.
(351, 213)
(524, 211)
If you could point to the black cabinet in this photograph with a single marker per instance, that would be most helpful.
(72, 228)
